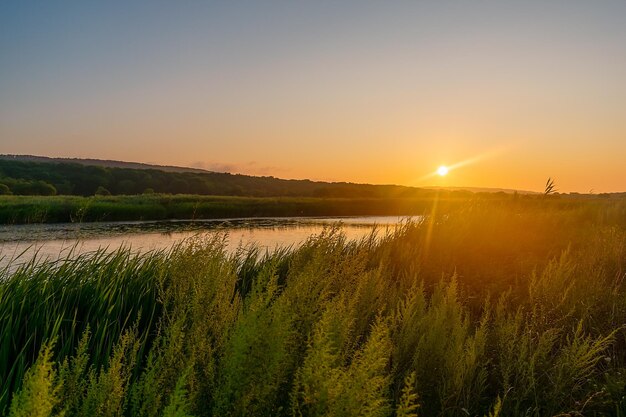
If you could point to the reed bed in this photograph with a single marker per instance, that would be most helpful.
(490, 310)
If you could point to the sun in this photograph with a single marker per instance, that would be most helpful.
(442, 171)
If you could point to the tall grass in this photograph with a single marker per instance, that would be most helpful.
(511, 310)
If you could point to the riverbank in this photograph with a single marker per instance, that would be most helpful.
(64, 209)
(76, 209)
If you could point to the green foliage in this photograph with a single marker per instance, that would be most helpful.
(408, 404)
(106, 293)
(492, 310)
(106, 390)
(178, 405)
(437, 338)
(496, 410)
(21, 186)
(327, 385)
(102, 191)
(257, 357)
(73, 374)
(38, 395)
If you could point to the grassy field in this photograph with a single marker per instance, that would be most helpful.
(55, 209)
(510, 309)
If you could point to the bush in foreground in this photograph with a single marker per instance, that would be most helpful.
(488, 311)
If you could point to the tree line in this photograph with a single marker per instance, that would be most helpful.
(37, 178)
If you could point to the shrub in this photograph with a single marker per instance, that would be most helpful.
(102, 191)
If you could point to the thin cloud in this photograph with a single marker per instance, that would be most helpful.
(250, 168)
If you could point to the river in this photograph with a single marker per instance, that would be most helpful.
(20, 243)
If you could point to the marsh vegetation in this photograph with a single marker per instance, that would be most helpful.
(74, 209)
(490, 309)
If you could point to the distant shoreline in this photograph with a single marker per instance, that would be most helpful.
(77, 209)
(71, 209)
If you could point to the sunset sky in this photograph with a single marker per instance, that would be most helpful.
(377, 92)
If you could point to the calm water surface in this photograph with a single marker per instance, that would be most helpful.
(20, 243)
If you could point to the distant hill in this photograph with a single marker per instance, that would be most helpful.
(35, 175)
(40, 175)
(99, 162)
